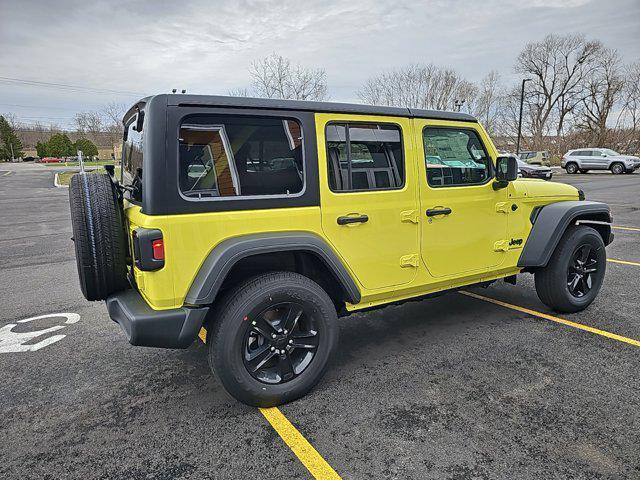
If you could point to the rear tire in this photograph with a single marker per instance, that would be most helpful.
(571, 168)
(579, 261)
(617, 168)
(275, 311)
(99, 235)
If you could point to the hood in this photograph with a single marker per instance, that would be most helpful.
(535, 188)
(627, 157)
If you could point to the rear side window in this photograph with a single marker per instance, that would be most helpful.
(581, 153)
(233, 156)
(455, 157)
(132, 154)
(364, 157)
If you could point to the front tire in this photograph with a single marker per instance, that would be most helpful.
(573, 277)
(272, 338)
(617, 168)
(571, 168)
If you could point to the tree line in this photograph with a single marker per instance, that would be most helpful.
(91, 129)
(578, 93)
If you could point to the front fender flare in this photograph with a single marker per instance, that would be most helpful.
(553, 220)
(224, 256)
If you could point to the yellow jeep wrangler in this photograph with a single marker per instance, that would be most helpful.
(261, 221)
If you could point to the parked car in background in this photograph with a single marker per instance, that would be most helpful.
(30, 159)
(583, 160)
(534, 171)
(51, 160)
(535, 158)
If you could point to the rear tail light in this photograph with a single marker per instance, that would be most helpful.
(158, 249)
(148, 249)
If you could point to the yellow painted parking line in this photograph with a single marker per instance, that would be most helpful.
(623, 262)
(633, 229)
(553, 318)
(309, 456)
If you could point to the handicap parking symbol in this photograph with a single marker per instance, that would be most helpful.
(14, 342)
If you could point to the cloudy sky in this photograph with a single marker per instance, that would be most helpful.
(120, 51)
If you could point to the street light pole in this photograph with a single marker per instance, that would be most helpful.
(525, 80)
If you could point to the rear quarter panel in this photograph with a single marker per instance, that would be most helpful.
(188, 239)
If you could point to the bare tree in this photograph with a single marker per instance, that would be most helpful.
(628, 122)
(112, 115)
(419, 86)
(276, 77)
(88, 122)
(489, 104)
(558, 66)
(602, 92)
(239, 92)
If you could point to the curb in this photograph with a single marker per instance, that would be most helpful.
(57, 184)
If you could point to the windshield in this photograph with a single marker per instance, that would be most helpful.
(610, 152)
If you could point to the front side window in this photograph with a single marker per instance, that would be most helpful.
(364, 157)
(455, 157)
(609, 152)
(233, 156)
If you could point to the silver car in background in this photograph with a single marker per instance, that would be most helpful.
(584, 159)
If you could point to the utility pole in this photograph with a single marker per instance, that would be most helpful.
(12, 157)
(525, 80)
(457, 104)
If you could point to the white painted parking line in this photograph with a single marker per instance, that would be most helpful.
(14, 342)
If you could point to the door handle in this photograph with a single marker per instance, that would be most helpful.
(432, 212)
(347, 219)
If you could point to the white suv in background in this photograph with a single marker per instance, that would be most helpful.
(584, 159)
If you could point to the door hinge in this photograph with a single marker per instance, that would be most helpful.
(501, 246)
(409, 260)
(503, 207)
(409, 216)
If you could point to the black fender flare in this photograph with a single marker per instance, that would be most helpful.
(224, 256)
(551, 221)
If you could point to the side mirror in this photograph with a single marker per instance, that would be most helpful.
(506, 171)
(603, 154)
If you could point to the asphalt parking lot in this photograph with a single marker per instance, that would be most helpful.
(455, 387)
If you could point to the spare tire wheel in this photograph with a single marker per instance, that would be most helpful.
(99, 235)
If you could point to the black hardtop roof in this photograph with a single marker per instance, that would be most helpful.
(328, 107)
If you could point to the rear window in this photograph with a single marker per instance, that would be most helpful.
(236, 156)
(132, 154)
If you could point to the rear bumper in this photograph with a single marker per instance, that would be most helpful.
(144, 326)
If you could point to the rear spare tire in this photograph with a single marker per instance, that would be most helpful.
(99, 235)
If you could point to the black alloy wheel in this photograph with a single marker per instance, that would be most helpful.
(582, 270)
(280, 343)
(575, 272)
(271, 338)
